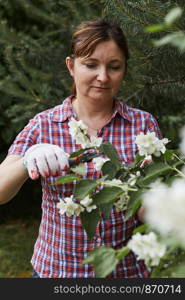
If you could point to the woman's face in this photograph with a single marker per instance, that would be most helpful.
(99, 75)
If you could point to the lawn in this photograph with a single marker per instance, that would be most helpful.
(17, 239)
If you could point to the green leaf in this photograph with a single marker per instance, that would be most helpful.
(173, 15)
(134, 203)
(109, 169)
(84, 187)
(77, 153)
(171, 265)
(89, 221)
(153, 171)
(156, 169)
(121, 253)
(155, 28)
(104, 260)
(142, 229)
(106, 209)
(85, 157)
(89, 156)
(79, 169)
(169, 155)
(107, 195)
(66, 179)
(109, 150)
(138, 159)
(176, 39)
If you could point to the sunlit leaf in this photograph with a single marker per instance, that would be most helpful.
(79, 169)
(173, 15)
(103, 259)
(175, 39)
(155, 28)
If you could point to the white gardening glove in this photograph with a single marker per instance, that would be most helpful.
(45, 160)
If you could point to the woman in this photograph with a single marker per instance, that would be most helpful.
(97, 63)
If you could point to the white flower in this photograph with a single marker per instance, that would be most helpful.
(78, 210)
(160, 146)
(86, 202)
(149, 144)
(147, 247)
(133, 178)
(98, 162)
(121, 204)
(75, 127)
(165, 208)
(95, 141)
(78, 131)
(69, 207)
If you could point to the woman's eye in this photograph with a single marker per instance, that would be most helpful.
(115, 67)
(90, 66)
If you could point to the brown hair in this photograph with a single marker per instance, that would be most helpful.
(90, 33)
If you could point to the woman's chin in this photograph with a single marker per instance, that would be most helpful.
(101, 96)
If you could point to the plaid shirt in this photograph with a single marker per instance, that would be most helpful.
(62, 243)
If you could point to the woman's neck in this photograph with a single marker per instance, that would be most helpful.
(94, 116)
(90, 110)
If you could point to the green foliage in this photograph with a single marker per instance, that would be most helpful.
(155, 80)
(172, 265)
(127, 192)
(34, 42)
(90, 221)
(103, 259)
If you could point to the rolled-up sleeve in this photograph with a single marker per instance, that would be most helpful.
(26, 138)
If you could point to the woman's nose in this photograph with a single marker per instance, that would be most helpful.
(102, 75)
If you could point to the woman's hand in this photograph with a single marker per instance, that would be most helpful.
(45, 160)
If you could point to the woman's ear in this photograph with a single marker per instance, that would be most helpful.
(70, 65)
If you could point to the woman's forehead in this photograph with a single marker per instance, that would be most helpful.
(108, 50)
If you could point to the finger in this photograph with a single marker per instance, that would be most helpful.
(42, 166)
(32, 169)
(62, 159)
(53, 164)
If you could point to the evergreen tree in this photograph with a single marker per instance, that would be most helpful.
(34, 41)
(156, 80)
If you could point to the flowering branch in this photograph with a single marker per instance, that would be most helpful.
(144, 182)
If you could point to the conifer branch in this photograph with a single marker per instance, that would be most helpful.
(160, 82)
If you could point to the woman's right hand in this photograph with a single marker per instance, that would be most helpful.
(45, 160)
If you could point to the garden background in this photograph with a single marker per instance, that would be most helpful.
(34, 41)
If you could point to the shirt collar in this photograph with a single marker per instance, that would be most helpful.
(122, 109)
(65, 111)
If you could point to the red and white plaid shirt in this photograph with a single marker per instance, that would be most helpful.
(62, 243)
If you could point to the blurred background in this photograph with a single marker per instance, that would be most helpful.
(34, 42)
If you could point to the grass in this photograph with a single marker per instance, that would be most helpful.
(17, 239)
